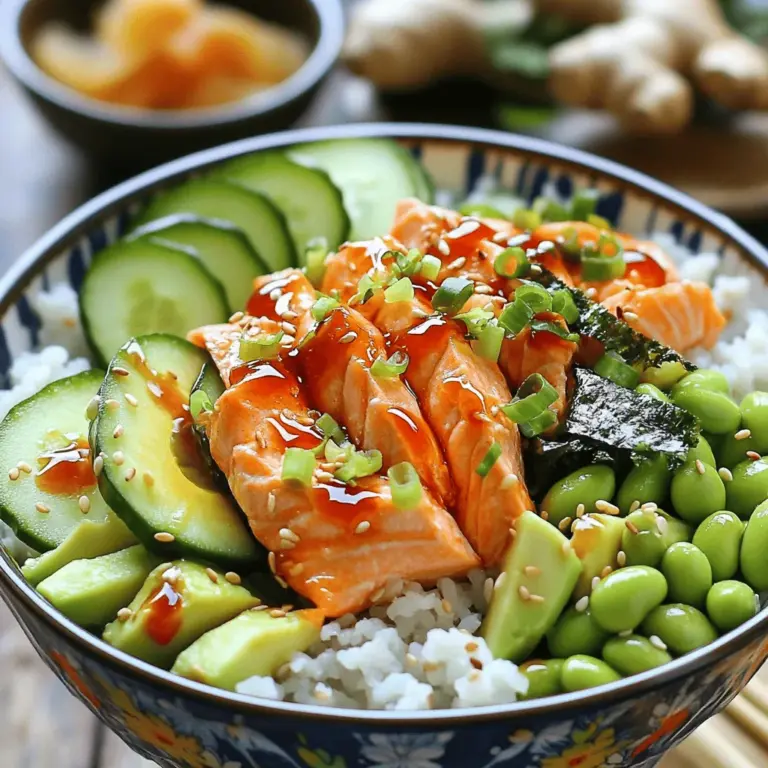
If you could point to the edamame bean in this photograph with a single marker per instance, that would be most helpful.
(625, 597)
(688, 574)
(648, 535)
(749, 487)
(582, 672)
(647, 481)
(715, 410)
(682, 628)
(703, 452)
(754, 417)
(652, 390)
(719, 538)
(585, 486)
(633, 655)
(754, 545)
(575, 632)
(732, 451)
(704, 378)
(730, 604)
(543, 678)
(697, 491)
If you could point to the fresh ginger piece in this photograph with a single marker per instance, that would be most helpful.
(158, 84)
(142, 28)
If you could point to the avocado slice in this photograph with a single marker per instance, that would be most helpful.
(89, 539)
(254, 643)
(178, 603)
(90, 592)
(540, 563)
(596, 542)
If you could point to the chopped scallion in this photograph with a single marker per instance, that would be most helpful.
(535, 296)
(598, 221)
(515, 316)
(584, 204)
(539, 424)
(323, 307)
(569, 246)
(298, 465)
(538, 326)
(314, 257)
(334, 452)
(263, 347)
(551, 210)
(602, 268)
(475, 320)
(480, 210)
(330, 428)
(489, 341)
(359, 464)
(430, 267)
(366, 287)
(511, 262)
(405, 485)
(408, 263)
(452, 295)
(402, 290)
(490, 458)
(611, 366)
(563, 304)
(527, 219)
(199, 402)
(397, 365)
(533, 397)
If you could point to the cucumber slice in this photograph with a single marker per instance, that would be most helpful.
(143, 479)
(135, 288)
(256, 215)
(224, 250)
(373, 175)
(312, 204)
(211, 384)
(48, 432)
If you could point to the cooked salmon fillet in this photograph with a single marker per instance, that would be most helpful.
(460, 395)
(681, 315)
(338, 545)
(335, 363)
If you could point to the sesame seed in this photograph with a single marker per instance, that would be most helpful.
(631, 527)
(271, 502)
(131, 400)
(42, 508)
(634, 506)
(650, 506)
(483, 289)
(607, 571)
(699, 464)
(566, 548)
(580, 510)
(124, 614)
(212, 575)
(287, 533)
(130, 474)
(471, 647)
(348, 337)
(148, 478)
(277, 613)
(605, 506)
(725, 474)
(92, 409)
(13, 473)
(296, 569)
(98, 465)
(236, 317)
(24, 467)
(621, 558)
(376, 596)
(257, 608)
(362, 527)
(754, 455)
(595, 581)
(657, 642)
(446, 606)
(582, 604)
(118, 457)
(488, 589)
(500, 237)
(112, 403)
(282, 582)
(324, 477)
(534, 598)
(457, 263)
(171, 575)
(289, 328)
(512, 532)
(532, 570)
(165, 538)
(85, 504)
(631, 316)
(154, 389)
(500, 580)
(287, 544)
(743, 434)
(118, 371)
(443, 247)
(275, 294)
(118, 431)
(662, 524)
(591, 292)
(272, 560)
(544, 514)
(564, 523)
(289, 315)
(626, 633)
(233, 578)
(524, 592)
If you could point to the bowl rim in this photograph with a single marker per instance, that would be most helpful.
(67, 232)
(322, 58)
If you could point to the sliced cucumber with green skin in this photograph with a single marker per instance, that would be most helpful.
(135, 288)
(223, 249)
(144, 431)
(48, 434)
(373, 175)
(211, 384)
(255, 214)
(312, 204)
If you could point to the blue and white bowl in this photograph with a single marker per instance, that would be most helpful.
(182, 724)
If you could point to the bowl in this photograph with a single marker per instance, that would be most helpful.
(130, 139)
(182, 724)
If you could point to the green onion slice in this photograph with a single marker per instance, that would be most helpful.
(551, 210)
(489, 341)
(512, 262)
(323, 307)
(405, 485)
(537, 326)
(330, 428)
(430, 267)
(535, 296)
(333, 451)
(534, 396)
(263, 347)
(397, 365)
(515, 317)
(298, 465)
(569, 246)
(598, 221)
(603, 262)
(402, 290)
(199, 402)
(359, 464)
(564, 305)
(539, 424)
(475, 320)
(452, 295)
(490, 458)
(612, 366)
(408, 263)
(315, 256)
(367, 286)
(584, 204)
(525, 218)
(480, 210)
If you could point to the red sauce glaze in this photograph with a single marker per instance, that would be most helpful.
(425, 338)
(644, 269)
(163, 386)
(345, 502)
(411, 432)
(468, 237)
(293, 434)
(262, 305)
(163, 610)
(66, 470)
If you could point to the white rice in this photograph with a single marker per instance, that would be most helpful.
(419, 651)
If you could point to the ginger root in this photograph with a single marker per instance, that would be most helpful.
(637, 60)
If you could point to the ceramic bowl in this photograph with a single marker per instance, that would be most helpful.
(181, 724)
(131, 139)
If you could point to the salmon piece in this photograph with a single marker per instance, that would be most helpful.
(460, 395)
(331, 557)
(336, 362)
(680, 315)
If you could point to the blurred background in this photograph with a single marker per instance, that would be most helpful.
(690, 113)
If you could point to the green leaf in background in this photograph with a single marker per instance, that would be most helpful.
(748, 17)
(516, 117)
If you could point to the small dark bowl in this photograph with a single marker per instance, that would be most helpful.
(132, 139)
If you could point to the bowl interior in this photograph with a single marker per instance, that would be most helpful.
(459, 161)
